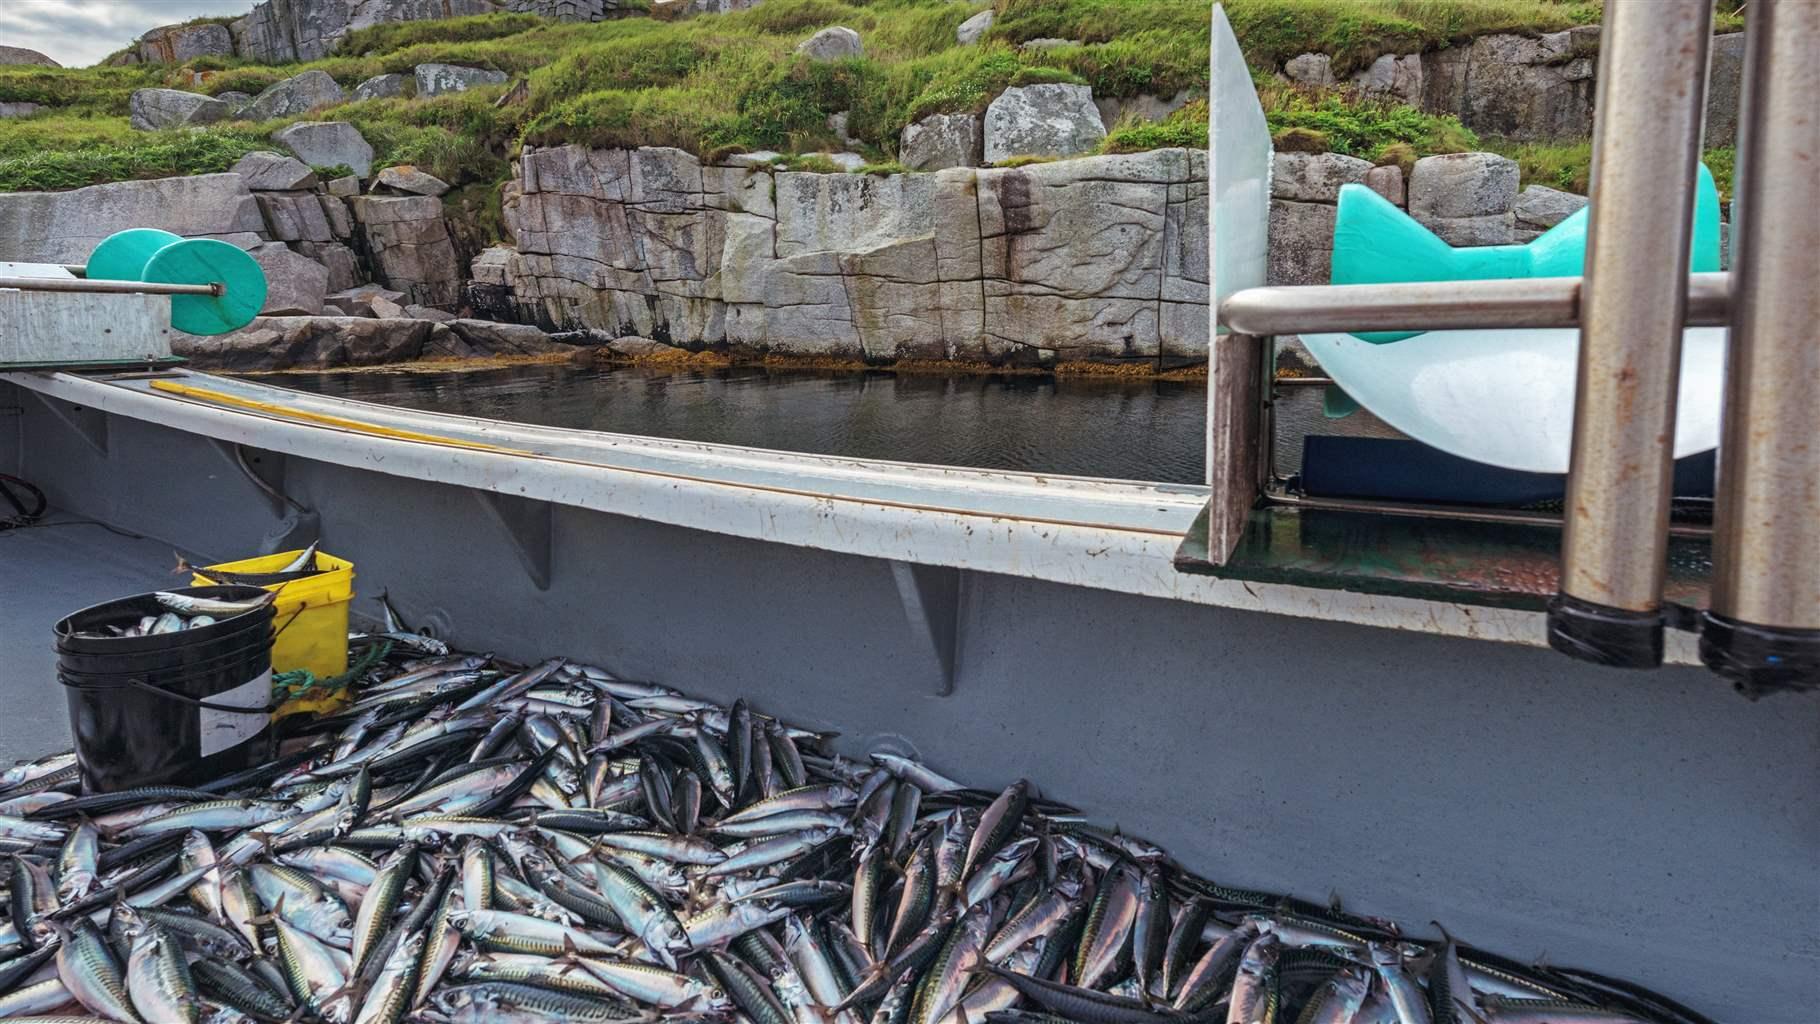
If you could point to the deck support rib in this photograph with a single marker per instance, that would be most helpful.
(932, 597)
(88, 424)
(529, 525)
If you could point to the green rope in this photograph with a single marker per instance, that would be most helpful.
(288, 685)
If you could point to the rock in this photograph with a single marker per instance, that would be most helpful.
(299, 95)
(235, 99)
(1462, 185)
(283, 31)
(1310, 69)
(834, 43)
(489, 288)
(21, 109)
(346, 186)
(1314, 177)
(273, 172)
(339, 260)
(384, 308)
(1491, 229)
(636, 347)
(417, 312)
(381, 87)
(411, 247)
(287, 342)
(359, 301)
(1301, 243)
(295, 217)
(837, 126)
(1046, 43)
(973, 28)
(295, 285)
(1143, 108)
(1073, 253)
(1392, 77)
(1104, 256)
(168, 108)
(436, 79)
(62, 227)
(490, 266)
(327, 144)
(567, 10)
(21, 55)
(846, 161)
(716, 6)
(942, 140)
(408, 179)
(1539, 207)
(760, 158)
(1724, 84)
(1042, 120)
(177, 44)
(1387, 181)
(486, 338)
(1515, 86)
(823, 212)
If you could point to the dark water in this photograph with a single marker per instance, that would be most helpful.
(1150, 430)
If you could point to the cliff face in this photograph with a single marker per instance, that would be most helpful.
(1100, 257)
(1097, 258)
(1510, 86)
(282, 31)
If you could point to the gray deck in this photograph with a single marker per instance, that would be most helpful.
(49, 572)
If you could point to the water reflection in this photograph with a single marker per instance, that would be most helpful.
(1148, 430)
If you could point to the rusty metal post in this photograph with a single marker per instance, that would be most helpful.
(1763, 630)
(1646, 151)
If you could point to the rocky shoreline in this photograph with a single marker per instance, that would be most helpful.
(286, 344)
(1098, 259)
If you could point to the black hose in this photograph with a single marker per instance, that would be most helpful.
(22, 514)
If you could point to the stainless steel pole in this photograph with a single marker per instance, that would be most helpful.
(1763, 630)
(67, 284)
(1646, 150)
(1440, 305)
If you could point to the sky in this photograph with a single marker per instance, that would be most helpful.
(75, 33)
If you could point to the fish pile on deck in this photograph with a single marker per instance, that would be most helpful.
(475, 841)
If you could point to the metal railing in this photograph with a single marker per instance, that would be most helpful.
(77, 284)
(1441, 305)
(1763, 630)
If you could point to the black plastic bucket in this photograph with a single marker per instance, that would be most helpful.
(172, 708)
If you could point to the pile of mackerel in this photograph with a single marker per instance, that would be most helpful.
(474, 841)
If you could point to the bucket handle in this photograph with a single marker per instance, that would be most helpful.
(304, 607)
(143, 686)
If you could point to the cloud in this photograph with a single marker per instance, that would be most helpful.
(80, 32)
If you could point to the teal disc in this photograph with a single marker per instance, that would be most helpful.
(122, 255)
(206, 261)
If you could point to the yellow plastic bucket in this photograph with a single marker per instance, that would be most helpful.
(312, 619)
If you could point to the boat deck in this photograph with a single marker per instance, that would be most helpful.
(1006, 626)
(62, 565)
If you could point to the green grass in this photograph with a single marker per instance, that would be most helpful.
(1356, 32)
(145, 155)
(1568, 166)
(1358, 127)
(719, 84)
(1186, 128)
(383, 39)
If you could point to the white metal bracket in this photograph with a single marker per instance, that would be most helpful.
(89, 424)
(530, 525)
(932, 599)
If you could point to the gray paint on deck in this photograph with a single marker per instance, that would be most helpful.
(46, 573)
(1649, 825)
